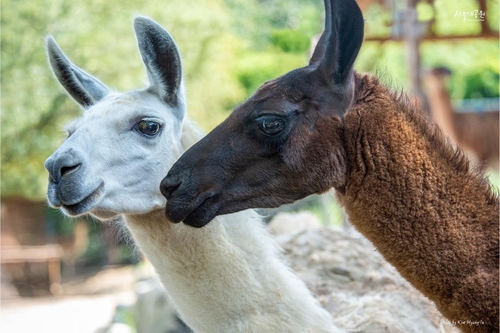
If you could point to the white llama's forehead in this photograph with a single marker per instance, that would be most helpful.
(123, 110)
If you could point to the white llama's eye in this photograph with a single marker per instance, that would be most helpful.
(271, 125)
(148, 127)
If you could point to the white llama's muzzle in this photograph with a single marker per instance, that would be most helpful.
(69, 188)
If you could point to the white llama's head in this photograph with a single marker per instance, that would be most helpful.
(116, 154)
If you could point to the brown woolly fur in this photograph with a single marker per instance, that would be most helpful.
(417, 199)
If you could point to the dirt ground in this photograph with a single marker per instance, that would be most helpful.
(85, 305)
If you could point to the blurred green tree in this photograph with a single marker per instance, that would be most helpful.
(255, 20)
(98, 36)
(229, 48)
(290, 40)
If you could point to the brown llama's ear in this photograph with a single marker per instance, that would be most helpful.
(319, 50)
(341, 40)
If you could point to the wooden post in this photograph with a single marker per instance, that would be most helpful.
(55, 276)
(413, 31)
(485, 28)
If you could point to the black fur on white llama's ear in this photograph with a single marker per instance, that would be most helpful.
(163, 62)
(85, 89)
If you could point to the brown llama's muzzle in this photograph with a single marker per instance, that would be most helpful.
(183, 205)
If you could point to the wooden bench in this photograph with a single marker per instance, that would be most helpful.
(50, 253)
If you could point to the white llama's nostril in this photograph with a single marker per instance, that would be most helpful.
(66, 170)
(62, 167)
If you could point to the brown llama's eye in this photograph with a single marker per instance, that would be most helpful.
(148, 127)
(271, 125)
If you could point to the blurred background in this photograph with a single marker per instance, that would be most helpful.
(57, 270)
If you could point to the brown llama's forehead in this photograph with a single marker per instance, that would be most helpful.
(268, 85)
(294, 86)
(269, 90)
(277, 98)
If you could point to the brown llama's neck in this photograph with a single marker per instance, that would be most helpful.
(416, 199)
(440, 104)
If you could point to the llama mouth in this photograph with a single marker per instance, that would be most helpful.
(85, 205)
(195, 215)
(201, 216)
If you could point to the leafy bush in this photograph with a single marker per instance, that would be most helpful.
(254, 68)
(291, 41)
(481, 84)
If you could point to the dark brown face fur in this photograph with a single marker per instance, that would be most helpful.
(276, 147)
(238, 166)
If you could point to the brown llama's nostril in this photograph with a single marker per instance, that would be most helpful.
(168, 185)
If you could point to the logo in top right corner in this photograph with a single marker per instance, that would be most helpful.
(471, 16)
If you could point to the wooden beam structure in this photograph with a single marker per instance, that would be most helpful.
(489, 35)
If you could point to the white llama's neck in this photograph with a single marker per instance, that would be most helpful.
(228, 276)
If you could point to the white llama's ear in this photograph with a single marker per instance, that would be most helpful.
(85, 89)
(162, 60)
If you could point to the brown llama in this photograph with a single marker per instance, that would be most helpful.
(412, 194)
(475, 133)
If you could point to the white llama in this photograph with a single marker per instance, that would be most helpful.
(228, 277)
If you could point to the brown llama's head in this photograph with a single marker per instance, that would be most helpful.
(278, 146)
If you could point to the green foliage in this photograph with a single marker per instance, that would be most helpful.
(481, 85)
(229, 48)
(97, 35)
(377, 21)
(471, 78)
(474, 62)
(290, 40)
(255, 20)
(254, 68)
(387, 60)
(449, 24)
(278, 37)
